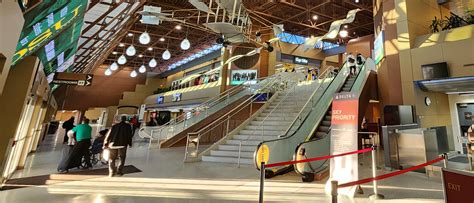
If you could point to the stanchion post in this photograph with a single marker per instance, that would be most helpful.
(334, 191)
(376, 195)
(262, 181)
(445, 160)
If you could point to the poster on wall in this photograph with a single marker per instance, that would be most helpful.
(51, 31)
(160, 99)
(344, 127)
(379, 49)
(242, 76)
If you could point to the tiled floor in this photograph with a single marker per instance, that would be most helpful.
(165, 178)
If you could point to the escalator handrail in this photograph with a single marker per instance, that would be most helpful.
(317, 139)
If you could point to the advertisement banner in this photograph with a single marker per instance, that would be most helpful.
(344, 127)
(241, 76)
(458, 186)
(379, 50)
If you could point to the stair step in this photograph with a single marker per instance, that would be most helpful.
(272, 123)
(256, 137)
(232, 154)
(231, 147)
(267, 131)
(282, 111)
(274, 118)
(224, 159)
(244, 142)
(272, 127)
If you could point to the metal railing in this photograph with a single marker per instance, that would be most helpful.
(181, 122)
(279, 83)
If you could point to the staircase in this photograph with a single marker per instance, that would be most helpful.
(269, 124)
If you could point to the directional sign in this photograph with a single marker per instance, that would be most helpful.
(73, 79)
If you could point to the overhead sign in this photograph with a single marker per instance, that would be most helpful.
(458, 186)
(344, 127)
(301, 61)
(379, 50)
(73, 79)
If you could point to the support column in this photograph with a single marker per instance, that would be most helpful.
(225, 69)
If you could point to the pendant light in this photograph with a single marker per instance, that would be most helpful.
(131, 51)
(166, 55)
(113, 66)
(108, 72)
(142, 69)
(122, 60)
(152, 63)
(133, 74)
(185, 44)
(144, 38)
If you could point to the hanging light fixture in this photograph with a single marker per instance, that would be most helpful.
(166, 55)
(133, 74)
(144, 38)
(142, 69)
(108, 72)
(185, 44)
(131, 51)
(113, 66)
(343, 33)
(122, 60)
(152, 63)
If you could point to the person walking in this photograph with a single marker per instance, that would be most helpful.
(81, 149)
(66, 152)
(67, 126)
(351, 63)
(117, 141)
(360, 60)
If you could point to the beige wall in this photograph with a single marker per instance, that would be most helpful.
(9, 34)
(94, 113)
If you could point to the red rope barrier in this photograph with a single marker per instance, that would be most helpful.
(388, 175)
(317, 158)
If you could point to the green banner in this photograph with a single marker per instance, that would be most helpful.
(43, 23)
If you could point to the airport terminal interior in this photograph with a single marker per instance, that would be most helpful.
(118, 101)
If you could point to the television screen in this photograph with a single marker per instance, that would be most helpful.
(241, 76)
(160, 99)
(176, 97)
(435, 70)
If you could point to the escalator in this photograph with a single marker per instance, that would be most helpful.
(314, 123)
(318, 144)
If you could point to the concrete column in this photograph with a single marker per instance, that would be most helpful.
(224, 76)
(13, 100)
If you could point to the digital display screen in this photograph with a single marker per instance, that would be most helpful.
(177, 97)
(241, 76)
(160, 99)
(300, 60)
(379, 51)
(51, 31)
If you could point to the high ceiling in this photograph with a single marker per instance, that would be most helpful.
(302, 17)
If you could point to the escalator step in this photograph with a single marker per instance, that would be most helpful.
(321, 134)
(327, 118)
(326, 123)
(324, 129)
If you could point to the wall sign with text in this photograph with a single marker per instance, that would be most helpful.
(301, 60)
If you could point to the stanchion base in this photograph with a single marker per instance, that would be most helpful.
(376, 196)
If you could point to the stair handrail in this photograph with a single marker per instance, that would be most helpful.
(249, 101)
(329, 72)
(205, 106)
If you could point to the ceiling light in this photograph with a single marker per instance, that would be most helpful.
(114, 53)
(357, 1)
(122, 60)
(343, 33)
(178, 27)
(162, 39)
(113, 66)
(142, 69)
(152, 63)
(131, 51)
(108, 72)
(140, 55)
(130, 34)
(315, 17)
(133, 74)
(345, 26)
(150, 48)
(144, 38)
(121, 45)
(166, 55)
(185, 44)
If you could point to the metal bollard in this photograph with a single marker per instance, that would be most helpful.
(262, 181)
(445, 160)
(376, 195)
(334, 191)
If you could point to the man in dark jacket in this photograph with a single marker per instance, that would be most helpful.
(117, 141)
(67, 126)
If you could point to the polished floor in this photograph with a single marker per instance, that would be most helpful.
(165, 178)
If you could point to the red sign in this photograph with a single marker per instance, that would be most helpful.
(458, 186)
(345, 112)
